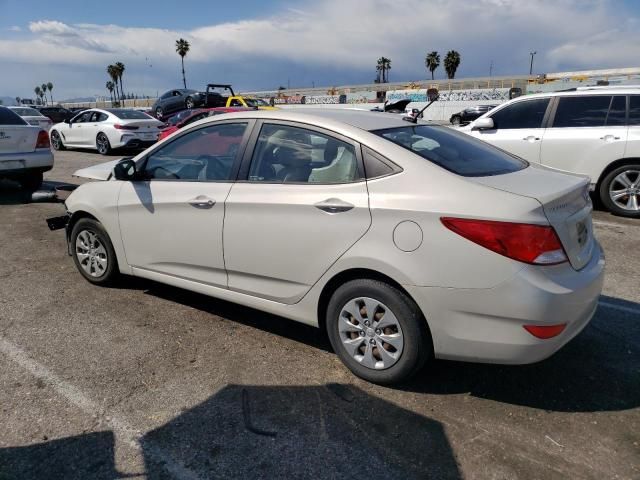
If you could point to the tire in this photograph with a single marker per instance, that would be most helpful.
(189, 103)
(456, 120)
(56, 141)
(361, 347)
(100, 266)
(31, 181)
(159, 112)
(102, 144)
(620, 191)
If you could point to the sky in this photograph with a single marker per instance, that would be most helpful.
(260, 45)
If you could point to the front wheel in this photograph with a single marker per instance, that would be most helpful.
(102, 144)
(189, 103)
(377, 331)
(159, 112)
(620, 191)
(93, 252)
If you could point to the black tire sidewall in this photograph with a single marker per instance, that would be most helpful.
(417, 340)
(112, 264)
(604, 191)
(60, 145)
(106, 152)
(161, 112)
(186, 103)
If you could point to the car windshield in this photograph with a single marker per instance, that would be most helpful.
(256, 102)
(27, 112)
(130, 114)
(7, 117)
(454, 151)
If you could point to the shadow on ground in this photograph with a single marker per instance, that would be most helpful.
(12, 194)
(331, 431)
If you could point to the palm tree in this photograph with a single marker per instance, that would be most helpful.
(432, 61)
(451, 63)
(38, 92)
(43, 87)
(110, 86)
(50, 87)
(112, 70)
(120, 70)
(182, 47)
(384, 65)
(18, 100)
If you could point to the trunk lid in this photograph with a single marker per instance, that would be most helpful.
(566, 203)
(18, 138)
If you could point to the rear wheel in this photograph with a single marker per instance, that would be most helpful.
(620, 191)
(102, 144)
(31, 181)
(93, 252)
(189, 103)
(159, 112)
(56, 141)
(377, 331)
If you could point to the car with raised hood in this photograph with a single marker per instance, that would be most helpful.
(358, 223)
(25, 153)
(179, 121)
(32, 117)
(106, 129)
(593, 131)
(469, 114)
(56, 114)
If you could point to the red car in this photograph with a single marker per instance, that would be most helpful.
(198, 115)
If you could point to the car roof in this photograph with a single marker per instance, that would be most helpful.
(582, 91)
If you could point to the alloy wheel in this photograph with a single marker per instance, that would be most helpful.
(624, 190)
(55, 140)
(189, 103)
(102, 142)
(158, 112)
(91, 253)
(370, 333)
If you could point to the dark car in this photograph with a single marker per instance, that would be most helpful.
(56, 114)
(470, 114)
(176, 100)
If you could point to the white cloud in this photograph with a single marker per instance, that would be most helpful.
(15, 28)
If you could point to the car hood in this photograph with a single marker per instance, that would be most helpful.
(400, 105)
(102, 171)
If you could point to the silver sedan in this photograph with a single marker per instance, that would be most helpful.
(403, 241)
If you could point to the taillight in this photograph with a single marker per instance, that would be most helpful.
(43, 139)
(125, 127)
(545, 332)
(534, 244)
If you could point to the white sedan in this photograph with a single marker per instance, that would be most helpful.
(404, 241)
(33, 117)
(106, 129)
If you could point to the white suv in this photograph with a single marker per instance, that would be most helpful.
(593, 131)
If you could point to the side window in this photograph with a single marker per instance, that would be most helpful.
(83, 117)
(587, 111)
(102, 117)
(634, 110)
(235, 103)
(204, 154)
(617, 111)
(375, 165)
(285, 154)
(177, 93)
(523, 114)
(195, 118)
(166, 95)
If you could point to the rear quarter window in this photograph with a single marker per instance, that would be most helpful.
(7, 117)
(131, 115)
(454, 151)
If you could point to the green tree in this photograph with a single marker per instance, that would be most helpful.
(451, 63)
(120, 70)
(50, 88)
(112, 70)
(43, 87)
(110, 85)
(38, 92)
(383, 66)
(432, 61)
(182, 47)
(18, 100)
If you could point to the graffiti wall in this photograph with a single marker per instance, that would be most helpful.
(362, 97)
(322, 99)
(471, 95)
(566, 83)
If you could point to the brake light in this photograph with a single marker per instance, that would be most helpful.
(125, 127)
(534, 244)
(545, 332)
(43, 139)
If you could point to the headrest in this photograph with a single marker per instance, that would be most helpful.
(293, 155)
(330, 151)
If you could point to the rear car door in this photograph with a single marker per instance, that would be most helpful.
(586, 133)
(171, 219)
(632, 149)
(518, 128)
(301, 203)
(92, 127)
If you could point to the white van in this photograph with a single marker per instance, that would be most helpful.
(593, 131)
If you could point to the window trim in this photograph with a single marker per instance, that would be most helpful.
(141, 163)
(243, 175)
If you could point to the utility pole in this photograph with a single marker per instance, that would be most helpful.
(531, 64)
(491, 69)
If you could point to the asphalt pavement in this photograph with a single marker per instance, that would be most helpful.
(149, 381)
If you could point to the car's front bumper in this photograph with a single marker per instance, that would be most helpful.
(486, 325)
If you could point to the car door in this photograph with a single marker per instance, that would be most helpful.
(586, 133)
(301, 204)
(171, 219)
(74, 134)
(518, 128)
(632, 149)
(176, 101)
(92, 127)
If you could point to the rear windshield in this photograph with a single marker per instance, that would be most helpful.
(455, 151)
(130, 114)
(27, 112)
(7, 117)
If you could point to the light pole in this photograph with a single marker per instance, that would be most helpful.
(531, 64)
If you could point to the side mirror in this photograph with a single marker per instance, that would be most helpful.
(125, 170)
(483, 124)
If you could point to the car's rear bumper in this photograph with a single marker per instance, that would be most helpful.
(133, 141)
(486, 325)
(17, 164)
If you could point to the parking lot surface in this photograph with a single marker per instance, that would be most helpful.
(149, 381)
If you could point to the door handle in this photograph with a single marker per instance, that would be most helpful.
(202, 201)
(531, 138)
(334, 205)
(609, 138)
